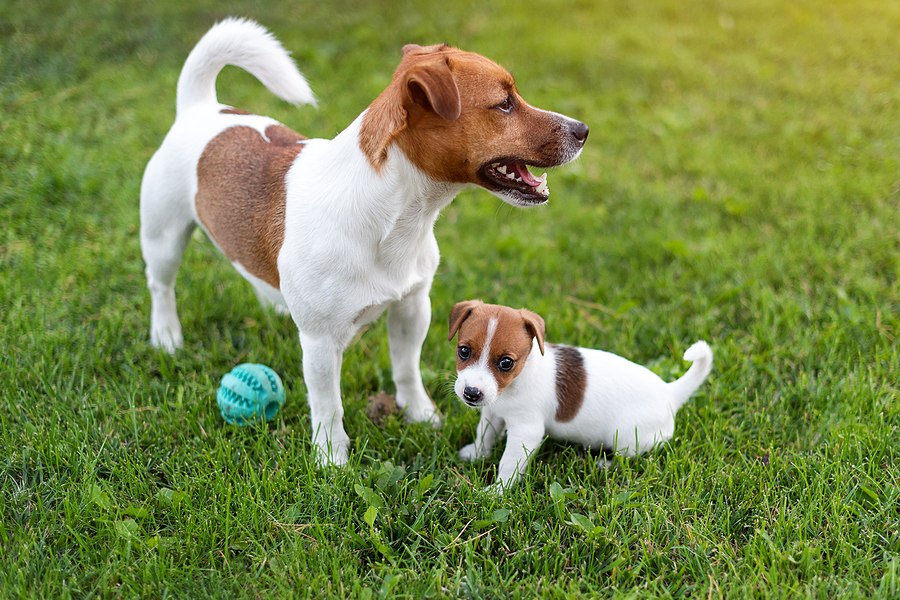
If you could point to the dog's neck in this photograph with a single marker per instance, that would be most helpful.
(400, 201)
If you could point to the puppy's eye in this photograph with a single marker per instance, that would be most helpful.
(505, 106)
(506, 363)
(463, 352)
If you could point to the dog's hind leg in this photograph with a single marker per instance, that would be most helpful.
(162, 253)
(407, 324)
(166, 228)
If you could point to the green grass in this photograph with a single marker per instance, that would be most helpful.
(740, 185)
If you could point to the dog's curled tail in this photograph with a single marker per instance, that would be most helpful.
(683, 388)
(245, 44)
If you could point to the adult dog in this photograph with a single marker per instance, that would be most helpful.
(338, 231)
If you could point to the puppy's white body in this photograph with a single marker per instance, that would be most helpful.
(624, 407)
(335, 231)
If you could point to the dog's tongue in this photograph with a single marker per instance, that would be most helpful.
(522, 171)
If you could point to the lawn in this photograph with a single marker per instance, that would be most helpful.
(740, 185)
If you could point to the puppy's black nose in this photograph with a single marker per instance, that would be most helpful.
(472, 395)
(579, 131)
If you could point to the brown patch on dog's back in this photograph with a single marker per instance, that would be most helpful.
(241, 194)
(234, 111)
(571, 382)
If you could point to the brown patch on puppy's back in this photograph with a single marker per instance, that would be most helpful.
(241, 194)
(571, 382)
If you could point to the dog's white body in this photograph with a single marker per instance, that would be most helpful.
(618, 406)
(355, 235)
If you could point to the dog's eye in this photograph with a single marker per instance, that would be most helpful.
(506, 363)
(505, 106)
(463, 352)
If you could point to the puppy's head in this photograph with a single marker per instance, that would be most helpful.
(493, 343)
(458, 117)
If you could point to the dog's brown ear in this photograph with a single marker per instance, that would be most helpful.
(410, 49)
(431, 87)
(417, 49)
(535, 324)
(459, 313)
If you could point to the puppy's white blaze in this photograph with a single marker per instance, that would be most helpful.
(479, 375)
(486, 351)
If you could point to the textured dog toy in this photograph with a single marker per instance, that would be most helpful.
(250, 393)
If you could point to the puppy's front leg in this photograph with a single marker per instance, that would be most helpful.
(322, 360)
(521, 443)
(407, 324)
(489, 429)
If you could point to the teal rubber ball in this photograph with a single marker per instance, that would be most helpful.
(250, 393)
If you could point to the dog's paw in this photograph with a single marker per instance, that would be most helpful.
(332, 454)
(422, 413)
(166, 339)
(495, 489)
(469, 453)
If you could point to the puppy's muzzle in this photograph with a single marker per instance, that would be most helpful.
(472, 396)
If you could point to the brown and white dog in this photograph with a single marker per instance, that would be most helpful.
(533, 390)
(338, 231)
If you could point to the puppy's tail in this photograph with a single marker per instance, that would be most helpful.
(244, 44)
(683, 387)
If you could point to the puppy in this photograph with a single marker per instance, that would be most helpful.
(335, 232)
(589, 397)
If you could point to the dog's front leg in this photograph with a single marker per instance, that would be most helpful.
(521, 443)
(322, 360)
(407, 324)
(489, 429)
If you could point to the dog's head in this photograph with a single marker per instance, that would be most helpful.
(458, 117)
(494, 342)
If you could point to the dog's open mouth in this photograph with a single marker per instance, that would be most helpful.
(514, 176)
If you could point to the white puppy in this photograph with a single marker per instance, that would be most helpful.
(589, 397)
(338, 231)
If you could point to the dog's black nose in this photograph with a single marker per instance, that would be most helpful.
(580, 131)
(472, 395)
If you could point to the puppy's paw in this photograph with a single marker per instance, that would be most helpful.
(469, 453)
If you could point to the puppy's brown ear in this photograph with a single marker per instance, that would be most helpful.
(535, 324)
(431, 87)
(460, 313)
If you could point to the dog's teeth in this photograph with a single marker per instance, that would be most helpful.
(502, 169)
(495, 165)
(511, 176)
(519, 179)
